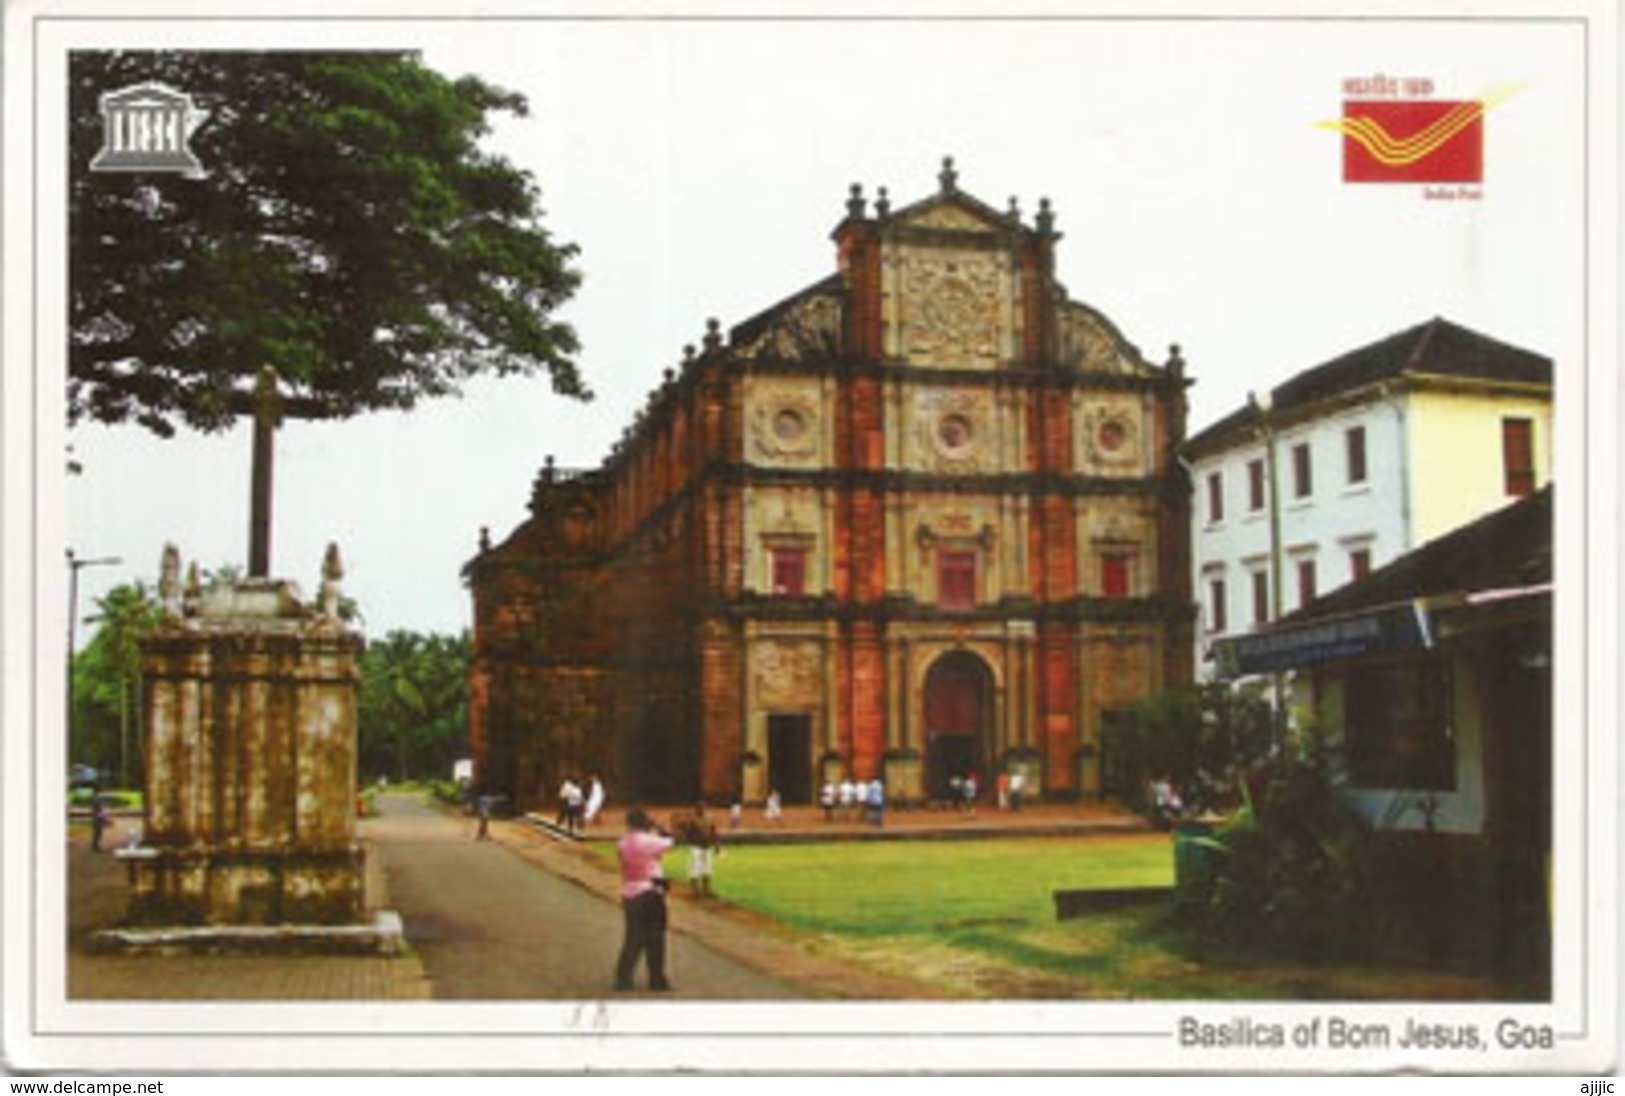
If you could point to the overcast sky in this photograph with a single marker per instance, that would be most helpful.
(700, 167)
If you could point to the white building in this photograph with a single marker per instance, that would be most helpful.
(1355, 462)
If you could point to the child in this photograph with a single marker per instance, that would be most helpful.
(700, 834)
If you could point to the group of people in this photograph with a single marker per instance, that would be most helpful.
(579, 806)
(850, 800)
(1011, 787)
(964, 791)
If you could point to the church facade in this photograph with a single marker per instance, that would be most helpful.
(921, 519)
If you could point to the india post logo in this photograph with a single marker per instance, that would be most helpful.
(1414, 140)
(146, 127)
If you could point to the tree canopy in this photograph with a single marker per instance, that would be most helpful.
(348, 230)
(413, 705)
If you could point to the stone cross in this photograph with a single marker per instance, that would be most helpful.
(267, 417)
(269, 406)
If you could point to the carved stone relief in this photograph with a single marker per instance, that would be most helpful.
(1088, 344)
(1110, 437)
(1119, 526)
(808, 330)
(950, 516)
(952, 307)
(788, 675)
(785, 426)
(954, 431)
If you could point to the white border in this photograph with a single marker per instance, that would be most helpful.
(42, 1031)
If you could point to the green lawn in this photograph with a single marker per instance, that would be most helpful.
(897, 887)
(115, 798)
(977, 919)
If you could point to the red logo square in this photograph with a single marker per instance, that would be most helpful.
(1413, 141)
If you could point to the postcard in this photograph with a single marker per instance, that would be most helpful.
(811, 538)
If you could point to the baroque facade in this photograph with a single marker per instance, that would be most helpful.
(923, 518)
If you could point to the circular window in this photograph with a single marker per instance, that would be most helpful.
(1112, 435)
(954, 431)
(789, 425)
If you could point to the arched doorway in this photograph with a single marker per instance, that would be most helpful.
(958, 721)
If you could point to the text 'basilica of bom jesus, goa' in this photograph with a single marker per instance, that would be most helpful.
(921, 519)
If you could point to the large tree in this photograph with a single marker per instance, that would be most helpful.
(348, 230)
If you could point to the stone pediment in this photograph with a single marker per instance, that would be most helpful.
(954, 217)
(955, 213)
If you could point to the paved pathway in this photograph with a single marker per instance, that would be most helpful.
(98, 896)
(489, 925)
(522, 917)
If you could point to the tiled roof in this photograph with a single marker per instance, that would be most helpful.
(1435, 348)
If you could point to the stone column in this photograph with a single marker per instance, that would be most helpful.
(753, 773)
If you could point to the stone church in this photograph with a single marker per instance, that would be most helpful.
(920, 519)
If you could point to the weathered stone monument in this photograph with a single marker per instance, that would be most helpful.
(251, 766)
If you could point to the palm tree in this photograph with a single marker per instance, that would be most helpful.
(414, 704)
(107, 673)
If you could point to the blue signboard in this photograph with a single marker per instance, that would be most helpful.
(1390, 630)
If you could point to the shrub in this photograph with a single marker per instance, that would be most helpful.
(449, 791)
(1293, 866)
(1202, 739)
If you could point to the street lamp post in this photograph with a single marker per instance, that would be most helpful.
(75, 565)
(1266, 432)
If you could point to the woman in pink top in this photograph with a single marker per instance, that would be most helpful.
(643, 900)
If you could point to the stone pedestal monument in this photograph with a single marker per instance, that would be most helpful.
(251, 760)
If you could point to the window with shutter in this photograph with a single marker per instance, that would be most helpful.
(1518, 456)
(956, 580)
(1114, 576)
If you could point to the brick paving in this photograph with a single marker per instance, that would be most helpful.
(97, 889)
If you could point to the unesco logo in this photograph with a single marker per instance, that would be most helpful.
(146, 127)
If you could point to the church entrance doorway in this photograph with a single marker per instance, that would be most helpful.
(958, 722)
(789, 757)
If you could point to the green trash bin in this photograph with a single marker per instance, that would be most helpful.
(1196, 865)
